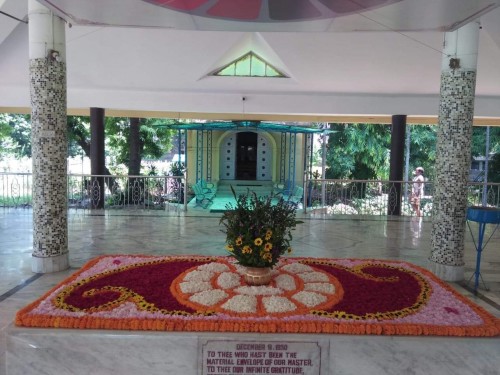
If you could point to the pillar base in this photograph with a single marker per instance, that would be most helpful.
(446, 272)
(50, 264)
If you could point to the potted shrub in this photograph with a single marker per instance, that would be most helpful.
(258, 232)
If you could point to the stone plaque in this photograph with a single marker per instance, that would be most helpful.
(222, 357)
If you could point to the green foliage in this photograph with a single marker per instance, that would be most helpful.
(358, 151)
(117, 131)
(258, 230)
(15, 137)
(155, 140)
(4, 127)
(478, 145)
(78, 135)
(152, 171)
(177, 169)
(478, 148)
(423, 148)
(362, 151)
(15, 134)
(494, 168)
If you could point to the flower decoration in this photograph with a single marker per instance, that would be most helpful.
(306, 295)
(258, 229)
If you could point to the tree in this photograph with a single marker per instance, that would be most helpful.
(423, 148)
(361, 151)
(494, 168)
(478, 148)
(358, 151)
(152, 141)
(127, 142)
(15, 133)
(4, 127)
(79, 133)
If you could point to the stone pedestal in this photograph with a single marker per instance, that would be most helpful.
(78, 352)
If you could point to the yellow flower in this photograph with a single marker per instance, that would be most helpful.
(229, 248)
(289, 250)
(247, 250)
(258, 241)
(239, 241)
(268, 257)
(268, 246)
(269, 233)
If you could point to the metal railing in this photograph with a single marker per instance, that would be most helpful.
(365, 197)
(102, 192)
(126, 192)
(169, 193)
(373, 197)
(16, 189)
(484, 194)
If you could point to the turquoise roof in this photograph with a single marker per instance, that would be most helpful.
(240, 125)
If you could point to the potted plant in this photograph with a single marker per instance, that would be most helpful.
(258, 232)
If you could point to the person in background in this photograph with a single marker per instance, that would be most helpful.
(417, 190)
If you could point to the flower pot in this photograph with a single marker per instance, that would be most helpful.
(257, 275)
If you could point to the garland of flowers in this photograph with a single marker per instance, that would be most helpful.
(195, 293)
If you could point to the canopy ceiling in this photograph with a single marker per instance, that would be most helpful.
(344, 58)
(303, 128)
(275, 15)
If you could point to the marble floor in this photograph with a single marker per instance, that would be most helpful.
(198, 232)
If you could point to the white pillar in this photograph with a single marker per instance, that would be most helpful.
(453, 151)
(48, 139)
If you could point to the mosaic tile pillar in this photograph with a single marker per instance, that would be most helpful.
(48, 140)
(453, 152)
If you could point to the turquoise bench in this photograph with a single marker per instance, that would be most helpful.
(203, 198)
(208, 187)
(296, 197)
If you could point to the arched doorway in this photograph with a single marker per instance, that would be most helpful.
(246, 156)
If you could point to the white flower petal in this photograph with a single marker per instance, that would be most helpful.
(297, 268)
(228, 280)
(276, 304)
(214, 267)
(197, 275)
(313, 276)
(194, 286)
(262, 290)
(241, 304)
(285, 282)
(208, 297)
(320, 287)
(310, 299)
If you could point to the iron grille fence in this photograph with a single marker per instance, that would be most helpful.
(169, 193)
(106, 192)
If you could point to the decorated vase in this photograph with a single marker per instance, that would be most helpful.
(257, 275)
